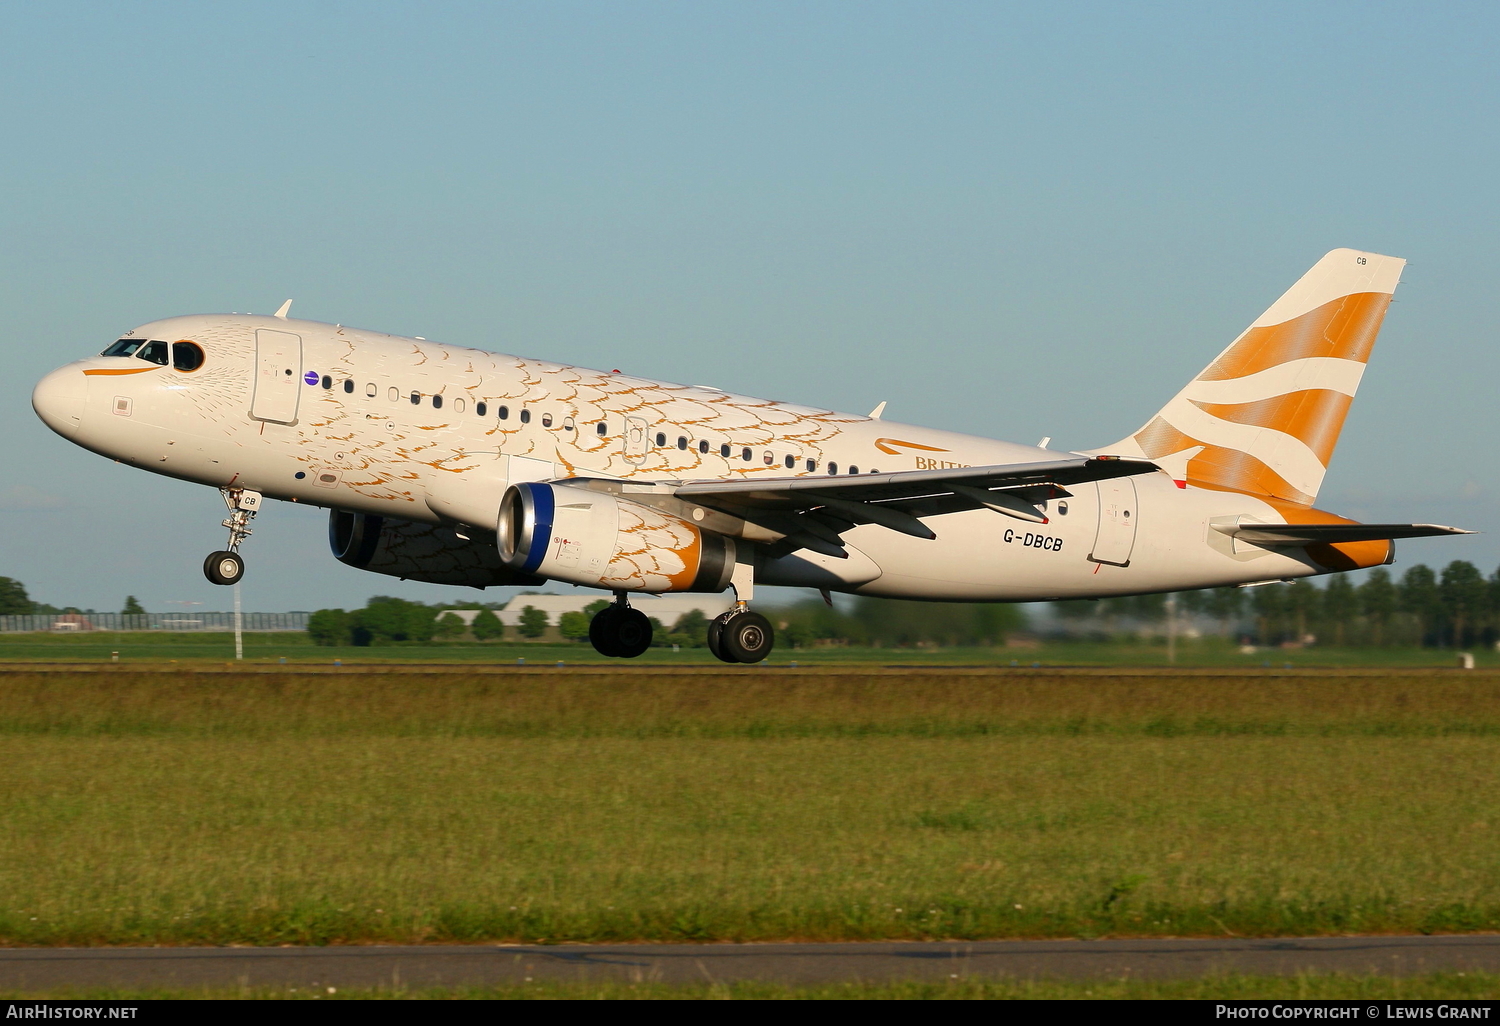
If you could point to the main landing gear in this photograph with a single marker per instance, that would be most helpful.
(738, 635)
(618, 630)
(226, 566)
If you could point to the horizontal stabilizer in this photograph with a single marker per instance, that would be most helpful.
(1327, 534)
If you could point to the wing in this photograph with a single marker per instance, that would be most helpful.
(1313, 534)
(812, 512)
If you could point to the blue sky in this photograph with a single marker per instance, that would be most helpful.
(1011, 220)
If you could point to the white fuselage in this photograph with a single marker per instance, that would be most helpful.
(419, 435)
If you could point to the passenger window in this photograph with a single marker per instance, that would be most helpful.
(812, 465)
(746, 455)
(768, 458)
(682, 442)
(370, 390)
(124, 347)
(505, 413)
(546, 420)
(525, 415)
(186, 356)
(703, 446)
(791, 461)
(416, 398)
(437, 402)
(394, 394)
(661, 439)
(1062, 509)
(348, 386)
(327, 381)
(480, 409)
(153, 352)
(854, 470)
(458, 405)
(602, 428)
(568, 424)
(724, 450)
(833, 468)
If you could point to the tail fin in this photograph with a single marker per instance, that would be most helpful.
(1264, 417)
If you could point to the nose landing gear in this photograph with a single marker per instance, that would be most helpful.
(620, 631)
(226, 566)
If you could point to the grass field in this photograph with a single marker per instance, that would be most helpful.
(296, 648)
(296, 807)
(1439, 986)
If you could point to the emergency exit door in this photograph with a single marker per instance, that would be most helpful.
(1117, 519)
(637, 439)
(278, 376)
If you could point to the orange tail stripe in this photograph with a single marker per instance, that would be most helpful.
(1315, 417)
(1344, 329)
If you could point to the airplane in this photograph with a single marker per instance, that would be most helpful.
(454, 465)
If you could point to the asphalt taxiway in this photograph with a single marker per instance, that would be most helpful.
(38, 970)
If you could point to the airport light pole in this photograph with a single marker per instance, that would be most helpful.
(1171, 628)
(239, 625)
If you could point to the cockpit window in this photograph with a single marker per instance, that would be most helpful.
(155, 351)
(186, 356)
(124, 347)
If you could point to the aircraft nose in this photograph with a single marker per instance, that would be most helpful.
(58, 400)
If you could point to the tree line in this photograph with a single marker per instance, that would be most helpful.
(1459, 608)
(879, 622)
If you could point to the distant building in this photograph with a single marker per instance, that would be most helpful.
(668, 609)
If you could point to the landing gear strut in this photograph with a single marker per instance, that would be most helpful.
(740, 636)
(618, 630)
(226, 566)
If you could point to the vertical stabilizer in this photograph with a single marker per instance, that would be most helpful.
(1264, 417)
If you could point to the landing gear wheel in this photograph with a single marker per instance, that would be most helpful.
(715, 632)
(620, 631)
(632, 633)
(745, 637)
(602, 631)
(224, 567)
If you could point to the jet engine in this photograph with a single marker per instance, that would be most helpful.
(601, 540)
(418, 552)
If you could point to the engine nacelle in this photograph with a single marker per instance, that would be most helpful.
(418, 552)
(603, 541)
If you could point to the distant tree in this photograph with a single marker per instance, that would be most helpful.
(901, 622)
(1377, 600)
(1303, 605)
(533, 622)
(330, 627)
(1269, 603)
(449, 625)
(592, 609)
(132, 607)
(1225, 604)
(487, 626)
(387, 619)
(1418, 596)
(1340, 606)
(573, 625)
(691, 629)
(1464, 598)
(13, 598)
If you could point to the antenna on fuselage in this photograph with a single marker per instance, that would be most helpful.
(284, 308)
(877, 411)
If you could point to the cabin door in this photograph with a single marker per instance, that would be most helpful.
(278, 376)
(637, 442)
(1117, 522)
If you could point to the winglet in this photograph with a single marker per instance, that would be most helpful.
(284, 308)
(877, 411)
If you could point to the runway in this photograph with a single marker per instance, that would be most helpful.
(51, 970)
